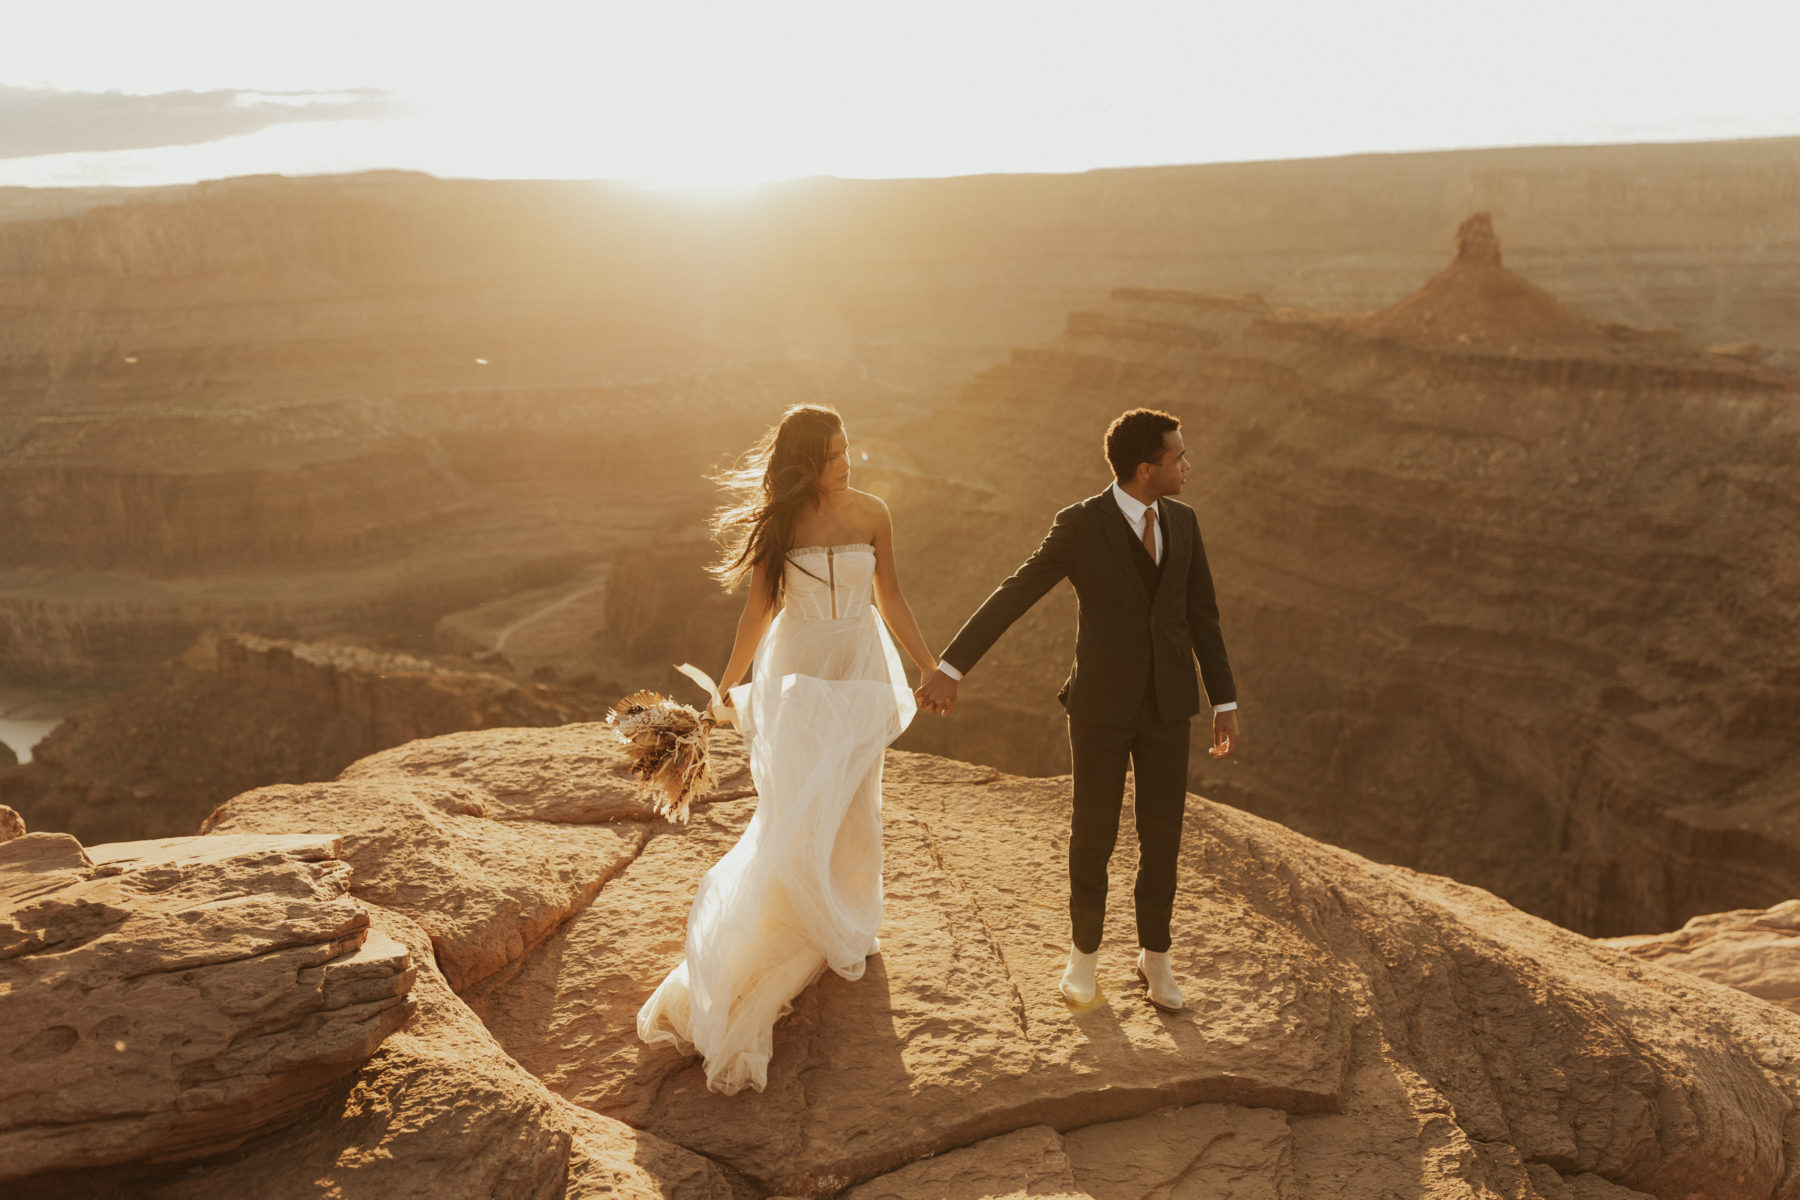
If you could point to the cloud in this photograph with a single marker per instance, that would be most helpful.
(36, 121)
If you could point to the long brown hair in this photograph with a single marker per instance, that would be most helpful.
(775, 481)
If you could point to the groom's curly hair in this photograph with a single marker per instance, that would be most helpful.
(1137, 437)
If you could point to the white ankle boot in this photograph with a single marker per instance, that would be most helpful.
(1078, 977)
(1159, 980)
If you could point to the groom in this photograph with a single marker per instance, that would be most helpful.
(1146, 610)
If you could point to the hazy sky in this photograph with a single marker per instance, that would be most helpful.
(688, 94)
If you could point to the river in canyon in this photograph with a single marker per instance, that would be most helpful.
(29, 711)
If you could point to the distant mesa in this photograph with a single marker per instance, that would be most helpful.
(1476, 242)
(1477, 304)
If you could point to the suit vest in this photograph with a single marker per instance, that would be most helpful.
(1151, 571)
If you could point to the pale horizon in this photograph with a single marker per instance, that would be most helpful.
(714, 98)
(750, 186)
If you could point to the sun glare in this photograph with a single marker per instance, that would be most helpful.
(703, 181)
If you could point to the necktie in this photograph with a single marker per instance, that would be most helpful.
(1150, 531)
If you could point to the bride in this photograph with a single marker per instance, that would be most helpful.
(801, 890)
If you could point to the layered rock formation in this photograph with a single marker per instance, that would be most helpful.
(168, 491)
(661, 609)
(223, 999)
(1754, 950)
(1355, 1030)
(139, 530)
(440, 1110)
(239, 711)
(1510, 594)
(489, 842)
(543, 277)
(165, 1001)
(1476, 305)
(542, 372)
(448, 374)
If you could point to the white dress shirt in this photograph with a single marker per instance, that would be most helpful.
(1134, 510)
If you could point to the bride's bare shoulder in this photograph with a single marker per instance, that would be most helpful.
(871, 511)
(866, 502)
(872, 519)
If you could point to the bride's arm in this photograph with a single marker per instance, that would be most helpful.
(759, 611)
(891, 600)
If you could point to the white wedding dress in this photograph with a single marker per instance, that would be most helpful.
(801, 890)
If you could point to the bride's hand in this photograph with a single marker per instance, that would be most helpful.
(936, 693)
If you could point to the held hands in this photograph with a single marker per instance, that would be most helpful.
(937, 693)
(724, 712)
(1225, 733)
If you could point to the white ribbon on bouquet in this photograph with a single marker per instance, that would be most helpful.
(720, 711)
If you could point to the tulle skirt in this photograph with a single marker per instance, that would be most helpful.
(801, 890)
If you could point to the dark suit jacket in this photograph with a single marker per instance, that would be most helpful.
(1136, 624)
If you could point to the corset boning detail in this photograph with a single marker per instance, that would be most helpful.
(830, 582)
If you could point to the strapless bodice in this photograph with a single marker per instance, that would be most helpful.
(826, 583)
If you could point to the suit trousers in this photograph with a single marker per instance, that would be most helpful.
(1157, 752)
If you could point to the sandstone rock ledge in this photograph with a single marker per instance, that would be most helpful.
(164, 1000)
(223, 1004)
(1756, 950)
(1354, 1031)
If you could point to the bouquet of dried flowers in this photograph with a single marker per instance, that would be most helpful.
(666, 741)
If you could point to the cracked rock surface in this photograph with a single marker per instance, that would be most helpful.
(439, 1111)
(490, 839)
(164, 1000)
(1353, 1030)
(1371, 1028)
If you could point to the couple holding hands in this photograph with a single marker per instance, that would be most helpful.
(801, 890)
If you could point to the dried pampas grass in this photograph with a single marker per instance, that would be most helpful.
(667, 744)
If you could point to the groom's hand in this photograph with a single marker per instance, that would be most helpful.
(1225, 733)
(937, 693)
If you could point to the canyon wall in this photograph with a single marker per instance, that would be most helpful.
(167, 493)
(293, 286)
(1523, 618)
(133, 531)
(1510, 600)
(240, 711)
(173, 363)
